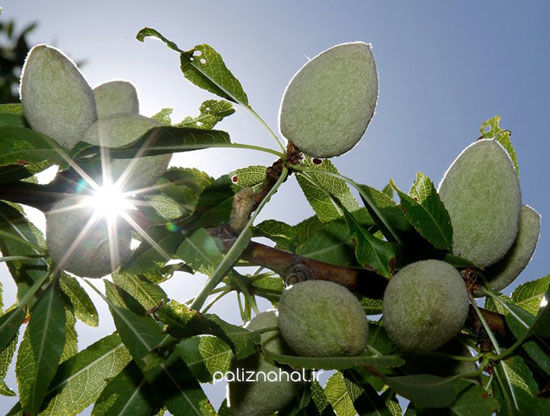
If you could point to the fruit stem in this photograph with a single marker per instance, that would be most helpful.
(265, 126)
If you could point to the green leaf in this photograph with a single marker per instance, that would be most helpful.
(18, 236)
(157, 141)
(249, 177)
(149, 295)
(71, 337)
(337, 363)
(211, 113)
(319, 400)
(279, 232)
(171, 377)
(491, 130)
(83, 306)
(307, 228)
(183, 322)
(471, 400)
(200, 251)
(41, 350)
(519, 323)
(16, 109)
(426, 213)
(164, 116)
(387, 215)
(424, 389)
(9, 326)
(23, 146)
(5, 360)
(149, 258)
(338, 396)
(205, 68)
(367, 402)
(318, 187)
(79, 381)
(542, 324)
(522, 398)
(12, 120)
(332, 244)
(127, 394)
(529, 295)
(371, 253)
(205, 355)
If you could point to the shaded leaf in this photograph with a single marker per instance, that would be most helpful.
(426, 213)
(337, 363)
(387, 215)
(127, 394)
(5, 360)
(41, 350)
(282, 234)
(424, 389)
(371, 253)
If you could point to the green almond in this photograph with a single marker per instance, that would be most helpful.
(262, 397)
(122, 129)
(329, 103)
(425, 305)
(57, 100)
(318, 318)
(501, 274)
(481, 193)
(82, 247)
(116, 97)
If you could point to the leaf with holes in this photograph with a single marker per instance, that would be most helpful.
(211, 113)
(318, 188)
(204, 67)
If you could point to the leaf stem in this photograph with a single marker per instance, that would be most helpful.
(486, 327)
(266, 126)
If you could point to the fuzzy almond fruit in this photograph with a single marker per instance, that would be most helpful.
(81, 246)
(481, 193)
(425, 305)
(501, 274)
(322, 319)
(119, 130)
(116, 97)
(329, 103)
(262, 397)
(57, 100)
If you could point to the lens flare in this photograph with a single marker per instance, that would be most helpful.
(110, 202)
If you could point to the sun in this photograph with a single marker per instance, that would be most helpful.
(110, 202)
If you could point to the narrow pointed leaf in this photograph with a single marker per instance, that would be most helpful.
(426, 213)
(127, 394)
(371, 252)
(337, 363)
(79, 381)
(41, 350)
(83, 306)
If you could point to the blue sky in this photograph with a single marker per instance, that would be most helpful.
(444, 68)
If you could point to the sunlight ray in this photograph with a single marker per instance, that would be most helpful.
(146, 236)
(74, 245)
